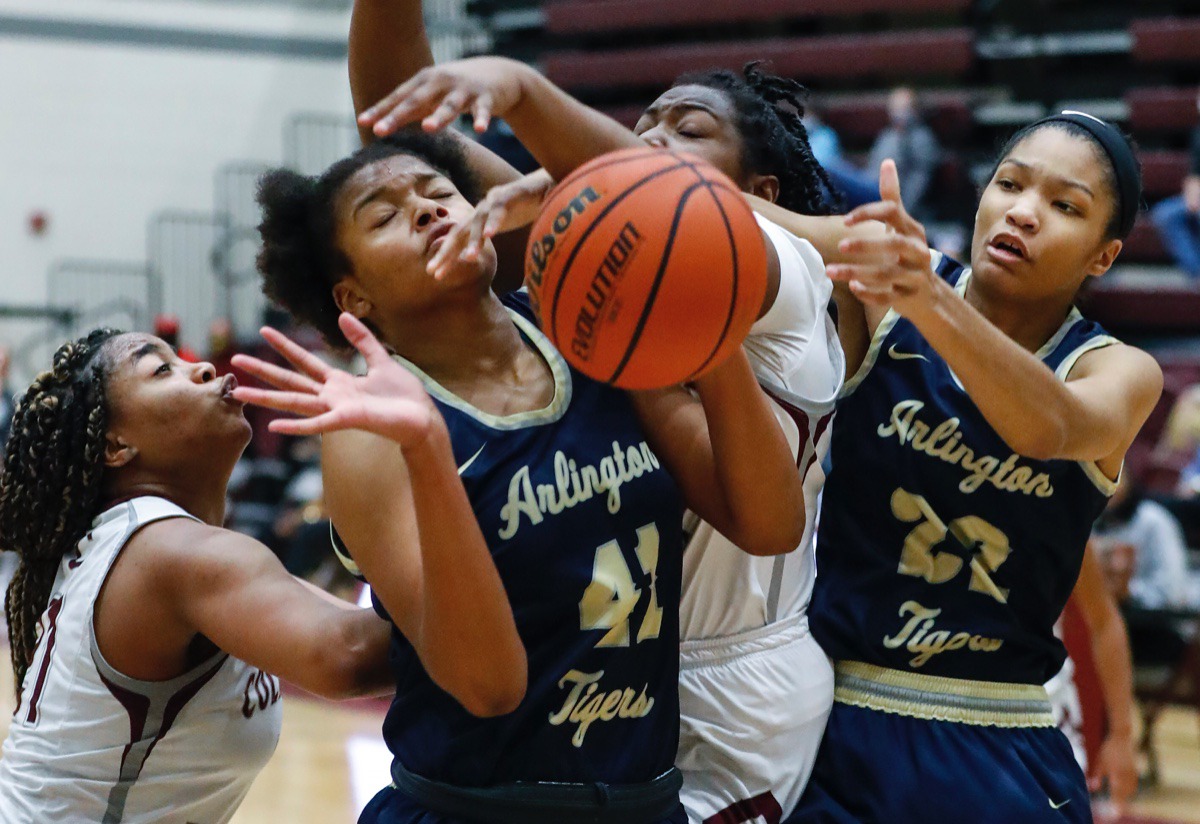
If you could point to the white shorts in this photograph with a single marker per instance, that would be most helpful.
(753, 708)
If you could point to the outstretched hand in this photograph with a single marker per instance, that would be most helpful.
(480, 86)
(895, 269)
(388, 401)
(505, 208)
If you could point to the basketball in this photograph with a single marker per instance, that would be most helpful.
(647, 268)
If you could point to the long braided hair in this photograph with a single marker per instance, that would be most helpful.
(770, 109)
(51, 482)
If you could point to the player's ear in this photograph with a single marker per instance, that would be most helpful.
(117, 452)
(350, 297)
(765, 186)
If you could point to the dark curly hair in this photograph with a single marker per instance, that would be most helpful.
(770, 109)
(50, 487)
(1113, 230)
(299, 259)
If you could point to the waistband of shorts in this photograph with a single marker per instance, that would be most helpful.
(704, 652)
(543, 802)
(936, 698)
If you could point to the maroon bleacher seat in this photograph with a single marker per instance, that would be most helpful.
(1165, 308)
(893, 54)
(858, 119)
(1162, 109)
(585, 16)
(1144, 245)
(1166, 40)
(1163, 173)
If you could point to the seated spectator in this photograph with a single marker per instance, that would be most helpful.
(1178, 218)
(910, 142)
(854, 185)
(1159, 578)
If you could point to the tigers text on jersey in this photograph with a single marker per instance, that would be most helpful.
(797, 358)
(584, 526)
(942, 551)
(88, 744)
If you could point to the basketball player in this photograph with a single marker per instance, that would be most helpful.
(583, 521)
(976, 443)
(146, 639)
(750, 671)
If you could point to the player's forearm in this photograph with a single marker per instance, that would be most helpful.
(1110, 648)
(467, 637)
(1001, 376)
(753, 463)
(388, 45)
(558, 130)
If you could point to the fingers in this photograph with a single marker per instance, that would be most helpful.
(482, 112)
(277, 376)
(298, 403)
(452, 247)
(882, 295)
(297, 355)
(453, 104)
(889, 182)
(319, 425)
(416, 99)
(890, 214)
(363, 340)
(894, 248)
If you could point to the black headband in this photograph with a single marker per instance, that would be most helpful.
(1120, 155)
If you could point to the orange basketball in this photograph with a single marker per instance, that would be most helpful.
(646, 267)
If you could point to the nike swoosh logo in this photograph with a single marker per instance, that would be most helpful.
(470, 460)
(1054, 806)
(894, 355)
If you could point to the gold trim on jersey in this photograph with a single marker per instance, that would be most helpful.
(935, 698)
(547, 414)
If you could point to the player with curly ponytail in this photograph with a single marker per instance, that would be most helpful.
(145, 637)
(51, 482)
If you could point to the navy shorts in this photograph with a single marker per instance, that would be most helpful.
(876, 766)
(391, 806)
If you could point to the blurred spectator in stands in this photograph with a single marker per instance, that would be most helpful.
(167, 328)
(1178, 218)
(910, 142)
(8, 401)
(855, 186)
(1159, 578)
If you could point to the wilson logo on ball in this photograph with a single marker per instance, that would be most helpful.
(539, 250)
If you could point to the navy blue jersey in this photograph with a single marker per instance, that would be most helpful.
(585, 528)
(940, 550)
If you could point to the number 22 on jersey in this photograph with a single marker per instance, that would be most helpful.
(611, 596)
(988, 546)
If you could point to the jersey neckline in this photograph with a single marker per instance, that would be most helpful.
(563, 386)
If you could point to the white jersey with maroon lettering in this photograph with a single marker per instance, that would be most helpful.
(755, 688)
(88, 744)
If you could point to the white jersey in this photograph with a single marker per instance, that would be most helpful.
(88, 744)
(796, 355)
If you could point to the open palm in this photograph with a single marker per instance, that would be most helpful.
(387, 401)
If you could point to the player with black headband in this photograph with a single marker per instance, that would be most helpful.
(979, 438)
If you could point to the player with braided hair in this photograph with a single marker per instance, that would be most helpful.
(63, 418)
(767, 112)
(146, 639)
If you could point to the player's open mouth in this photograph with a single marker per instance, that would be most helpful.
(438, 233)
(1008, 249)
